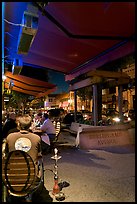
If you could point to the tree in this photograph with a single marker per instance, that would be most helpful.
(85, 94)
(18, 100)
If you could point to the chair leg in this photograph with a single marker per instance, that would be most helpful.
(4, 193)
(28, 198)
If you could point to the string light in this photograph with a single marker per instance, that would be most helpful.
(15, 24)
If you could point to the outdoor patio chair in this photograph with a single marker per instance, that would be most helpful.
(19, 176)
(57, 127)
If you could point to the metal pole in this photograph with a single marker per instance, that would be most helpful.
(3, 82)
(3, 10)
(95, 108)
(75, 105)
(120, 101)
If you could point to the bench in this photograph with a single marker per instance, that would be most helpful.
(75, 127)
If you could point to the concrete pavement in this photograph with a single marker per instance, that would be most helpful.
(106, 175)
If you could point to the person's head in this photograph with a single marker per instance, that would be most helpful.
(45, 116)
(12, 115)
(39, 116)
(24, 122)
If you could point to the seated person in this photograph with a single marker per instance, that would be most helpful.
(10, 123)
(16, 129)
(24, 140)
(48, 128)
(36, 123)
(37, 120)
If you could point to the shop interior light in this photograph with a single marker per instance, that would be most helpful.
(4, 77)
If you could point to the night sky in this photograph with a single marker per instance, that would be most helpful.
(58, 79)
(48, 75)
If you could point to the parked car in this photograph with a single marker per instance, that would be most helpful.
(112, 117)
(69, 118)
(56, 114)
(130, 114)
(87, 115)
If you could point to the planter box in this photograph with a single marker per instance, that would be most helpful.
(103, 136)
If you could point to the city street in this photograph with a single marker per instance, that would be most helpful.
(92, 175)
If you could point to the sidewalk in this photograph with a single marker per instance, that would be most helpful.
(93, 175)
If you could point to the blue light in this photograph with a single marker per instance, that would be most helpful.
(3, 10)
(17, 9)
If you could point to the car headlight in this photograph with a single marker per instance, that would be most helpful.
(116, 119)
(129, 119)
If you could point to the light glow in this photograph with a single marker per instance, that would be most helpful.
(116, 119)
(4, 77)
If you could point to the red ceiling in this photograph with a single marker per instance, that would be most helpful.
(75, 37)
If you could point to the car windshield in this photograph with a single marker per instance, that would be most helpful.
(69, 118)
(55, 112)
(112, 112)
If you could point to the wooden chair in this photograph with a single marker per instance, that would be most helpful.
(19, 175)
(57, 127)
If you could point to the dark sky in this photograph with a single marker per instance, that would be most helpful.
(58, 79)
(51, 76)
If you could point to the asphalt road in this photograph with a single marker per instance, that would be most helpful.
(106, 175)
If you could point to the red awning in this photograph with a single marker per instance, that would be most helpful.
(74, 37)
(29, 85)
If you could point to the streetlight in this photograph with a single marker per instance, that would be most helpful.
(3, 90)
